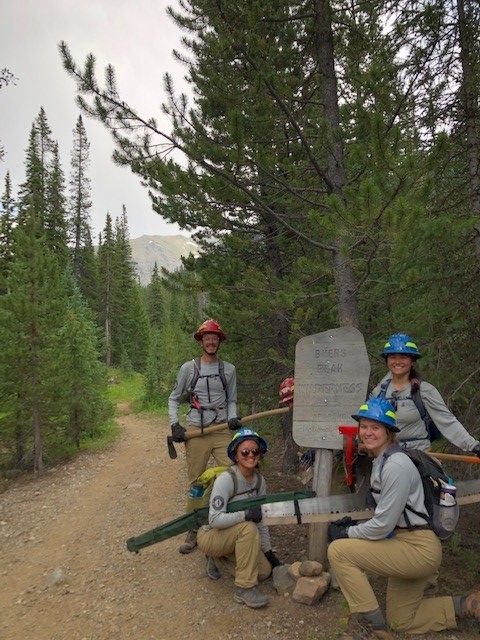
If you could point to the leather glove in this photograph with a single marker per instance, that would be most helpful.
(335, 532)
(178, 432)
(234, 424)
(476, 450)
(254, 514)
(346, 521)
(273, 560)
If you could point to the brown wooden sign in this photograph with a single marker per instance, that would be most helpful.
(331, 382)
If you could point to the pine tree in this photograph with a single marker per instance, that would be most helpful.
(6, 231)
(155, 299)
(30, 320)
(32, 192)
(131, 335)
(83, 255)
(107, 286)
(55, 220)
(84, 378)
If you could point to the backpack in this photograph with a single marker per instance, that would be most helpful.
(197, 363)
(208, 477)
(442, 518)
(433, 432)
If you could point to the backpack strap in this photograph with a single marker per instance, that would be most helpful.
(394, 448)
(416, 396)
(235, 484)
(383, 388)
(221, 373)
(197, 363)
(194, 402)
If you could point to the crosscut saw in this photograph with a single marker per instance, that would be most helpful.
(331, 508)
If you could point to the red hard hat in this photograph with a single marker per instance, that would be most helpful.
(285, 390)
(209, 326)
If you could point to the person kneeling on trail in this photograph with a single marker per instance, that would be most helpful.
(402, 548)
(239, 541)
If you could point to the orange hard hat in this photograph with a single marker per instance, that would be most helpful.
(285, 390)
(209, 326)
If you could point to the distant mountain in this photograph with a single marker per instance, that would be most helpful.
(166, 251)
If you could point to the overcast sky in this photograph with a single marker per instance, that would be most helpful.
(137, 38)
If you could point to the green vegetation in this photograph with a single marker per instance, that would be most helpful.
(329, 171)
(126, 387)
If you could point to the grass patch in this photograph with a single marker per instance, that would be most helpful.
(126, 387)
(103, 439)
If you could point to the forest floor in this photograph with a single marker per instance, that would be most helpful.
(65, 572)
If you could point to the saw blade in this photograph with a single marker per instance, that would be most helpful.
(468, 491)
(325, 509)
(467, 487)
(331, 508)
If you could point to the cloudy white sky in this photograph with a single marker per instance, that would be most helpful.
(137, 37)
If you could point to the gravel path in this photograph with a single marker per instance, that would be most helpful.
(66, 573)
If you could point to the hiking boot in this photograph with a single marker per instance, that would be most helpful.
(470, 605)
(370, 634)
(190, 543)
(211, 569)
(373, 634)
(363, 629)
(251, 597)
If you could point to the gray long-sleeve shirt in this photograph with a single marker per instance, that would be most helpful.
(410, 422)
(223, 492)
(210, 392)
(398, 483)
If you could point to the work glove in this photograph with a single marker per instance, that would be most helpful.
(273, 560)
(346, 521)
(178, 432)
(308, 458)
(335, 532)
(254, 514)
(476, 450)
(234, 424)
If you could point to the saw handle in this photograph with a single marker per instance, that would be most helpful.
(454, 456)
(198, 433)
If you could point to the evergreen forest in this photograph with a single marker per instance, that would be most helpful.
(326, 161)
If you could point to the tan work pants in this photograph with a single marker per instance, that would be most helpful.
(407, 559)
(239, 550)
(198, 452)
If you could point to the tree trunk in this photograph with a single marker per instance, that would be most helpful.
(470, 105)
(348, 314)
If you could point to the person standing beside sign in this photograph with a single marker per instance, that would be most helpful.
(411, 397)
(418, 404)
(386, 546)
(213, 398)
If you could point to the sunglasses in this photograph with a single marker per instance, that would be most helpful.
(246, 452)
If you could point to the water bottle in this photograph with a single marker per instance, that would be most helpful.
(448, 510)
(447, 495)
(196, 490)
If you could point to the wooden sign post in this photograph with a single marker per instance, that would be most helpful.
(331, 382)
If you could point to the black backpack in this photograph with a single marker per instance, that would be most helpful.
(442, 519)
(433, 432)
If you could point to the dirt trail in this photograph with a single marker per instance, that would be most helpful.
(66, 573)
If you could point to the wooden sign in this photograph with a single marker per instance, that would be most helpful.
(331, 382)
